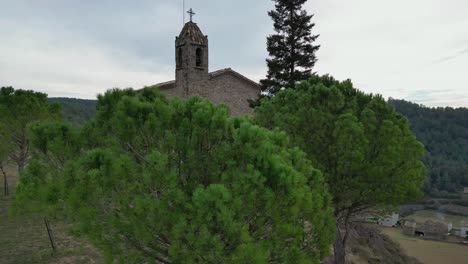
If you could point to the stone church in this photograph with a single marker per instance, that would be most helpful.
(192, 77)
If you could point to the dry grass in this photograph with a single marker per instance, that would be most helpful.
(24, 239)
(429, 252)
(421, 216)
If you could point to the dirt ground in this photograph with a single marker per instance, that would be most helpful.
(429, 252)
(368, 245)
(24, 239)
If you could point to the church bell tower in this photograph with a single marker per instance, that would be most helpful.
(191, 48)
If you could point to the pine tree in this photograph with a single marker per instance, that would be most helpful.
(365, 150)
(18, 110)
(153, 180)
(291, 49)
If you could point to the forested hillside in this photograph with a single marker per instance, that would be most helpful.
(76, 111)
(444, 132)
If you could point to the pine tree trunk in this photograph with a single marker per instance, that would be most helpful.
(20, 167)
(339, 248)
(22, 158)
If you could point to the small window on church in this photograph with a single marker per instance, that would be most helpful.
(199, 57)
(179, 58)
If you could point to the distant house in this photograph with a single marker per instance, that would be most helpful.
(434, 230)
(409, 228)
(464, 230)
(390, 221)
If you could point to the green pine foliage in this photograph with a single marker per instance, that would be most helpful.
(362, 145)
(170, 181)
(365, 150)
(444, 132)
(291, 48)
(18, 110)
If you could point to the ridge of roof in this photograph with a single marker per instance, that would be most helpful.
(229, 70)
(214, 74)
(164, 85)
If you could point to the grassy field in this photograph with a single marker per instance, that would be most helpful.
(24, 239)
(421, 216)
(429, 252)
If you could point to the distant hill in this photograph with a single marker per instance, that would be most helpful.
(76, 111)
(444, 132)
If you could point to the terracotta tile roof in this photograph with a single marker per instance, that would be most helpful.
(193, 33)
(435, 227)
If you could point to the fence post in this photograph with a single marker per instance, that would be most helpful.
(6, 191)
(51, 235)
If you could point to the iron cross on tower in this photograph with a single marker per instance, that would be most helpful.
(191, 13)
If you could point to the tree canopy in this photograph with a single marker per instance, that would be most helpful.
(443, 130)
(365, 150)
(19, 109)
(291, 48)
(172, 181)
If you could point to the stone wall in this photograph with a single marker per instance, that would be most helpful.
(234, 92)
(227, 88)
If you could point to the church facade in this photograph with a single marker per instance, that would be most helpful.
(192, 76)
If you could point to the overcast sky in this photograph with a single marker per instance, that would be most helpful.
(409, 49)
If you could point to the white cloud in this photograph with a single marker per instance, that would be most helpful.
(64, 66)
(389, 47)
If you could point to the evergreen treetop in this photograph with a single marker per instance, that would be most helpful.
(291, 48)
